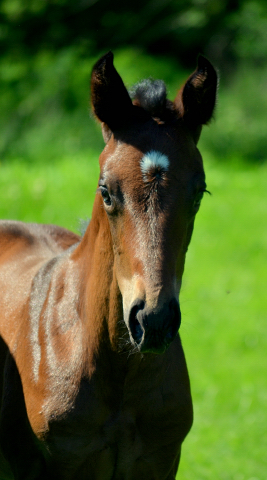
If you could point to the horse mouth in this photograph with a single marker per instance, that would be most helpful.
(152, 332)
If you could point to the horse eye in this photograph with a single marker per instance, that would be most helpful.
(105, 195)
(197, 200)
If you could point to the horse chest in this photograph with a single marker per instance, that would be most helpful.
(122, 440)
(97, 446)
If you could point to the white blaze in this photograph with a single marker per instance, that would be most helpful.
(153, 160)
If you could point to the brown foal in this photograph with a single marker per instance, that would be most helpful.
(93, 377)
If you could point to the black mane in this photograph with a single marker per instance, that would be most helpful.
(151, 95)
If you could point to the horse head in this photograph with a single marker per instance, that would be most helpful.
(151, 185)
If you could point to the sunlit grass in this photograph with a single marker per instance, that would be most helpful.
(224, 328)
(61, 193)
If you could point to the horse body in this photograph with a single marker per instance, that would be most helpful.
(95, 383)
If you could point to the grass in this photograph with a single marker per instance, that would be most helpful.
(61, 193)
(223, 301)
(224, 328)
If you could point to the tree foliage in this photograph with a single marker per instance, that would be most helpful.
(219, 28)
(49, 46)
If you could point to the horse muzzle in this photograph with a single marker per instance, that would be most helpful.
(153, 330)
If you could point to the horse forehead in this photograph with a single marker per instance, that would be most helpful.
(133, 158)
(119, 158)
(170, 149)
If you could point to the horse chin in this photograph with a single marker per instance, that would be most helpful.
(159, 349)
(155, 341)
(155, 344)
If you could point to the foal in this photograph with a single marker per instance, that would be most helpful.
(93, 377)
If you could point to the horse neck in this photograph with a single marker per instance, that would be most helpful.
(99, 296)
(106, 338)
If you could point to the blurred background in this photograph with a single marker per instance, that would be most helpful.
(49, 148)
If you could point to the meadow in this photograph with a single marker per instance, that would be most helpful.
(51, 176)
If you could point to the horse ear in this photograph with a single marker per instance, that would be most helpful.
(111, 102)
(196, 99)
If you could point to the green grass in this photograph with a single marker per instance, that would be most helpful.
(223, 301)
(60, 193)
(224, 328)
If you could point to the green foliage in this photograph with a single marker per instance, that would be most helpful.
(251, 23)
(45, 108)
(224, 30)
(239, 130)
(41, 99)
(182, 27)
(45, 105)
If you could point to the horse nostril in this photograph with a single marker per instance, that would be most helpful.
(169, 335)
(154, 330)
(135, 327)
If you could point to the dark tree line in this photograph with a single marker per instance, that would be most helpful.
(175, 27)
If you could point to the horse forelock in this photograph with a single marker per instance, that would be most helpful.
(151, 95)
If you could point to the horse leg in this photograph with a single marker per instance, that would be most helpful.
(17, 440)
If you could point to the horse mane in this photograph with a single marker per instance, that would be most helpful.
(151, 95)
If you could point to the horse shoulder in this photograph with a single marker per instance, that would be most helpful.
(39, 238)
(24, 248)
(38, 324)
